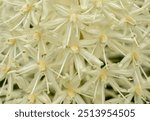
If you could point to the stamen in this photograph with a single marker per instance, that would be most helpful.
(130, 20)
(11, 41)
(103, 38)
(27, 8)
(70, 91)
(6, 69)
(32, 98)
(42, 66)
(138, 90)
(103, 75)
(135, 56)
(37, 35)
(75, 48)
(73, 17)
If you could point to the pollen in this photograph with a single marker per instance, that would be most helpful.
(6, 69)
(138, 90)
(75, 48)
(103, 38)
(32, 98)
(73, 17)
(70, 91)
(42, 66)
(11, 41)
(37, 35)
(135, 56)
(148, 23)
(130, 20)
(103, 75)
(27, 8)
(97, 3)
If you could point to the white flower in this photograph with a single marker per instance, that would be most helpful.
(74, 51)
(139, 93)
(137, 56)
(24, 97)
(72, 20)
(72, 91)
(26, 14)
(42, 66)
(7, 75)
(77, 50)
(110, 75)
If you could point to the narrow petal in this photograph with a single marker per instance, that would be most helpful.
(57, 23)
(84, 4)
(44, 98)
(90, 58)
(125, 61)
(63, 11)
(10, 84)
(86, 43)
(27, 68)
(78, 65)
(79, 99)
(67, 34)
(31, 51)
(63, 64)
(32, 86)
(21, 82)
(51, 79)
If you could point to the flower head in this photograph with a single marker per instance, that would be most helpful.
(74, 51)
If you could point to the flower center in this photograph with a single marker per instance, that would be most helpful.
(73, 17)
(70, 91)
(75, 48)
(6, 69)
(97, 3)
(32, 98)
(130, 20)
(27, 8)
(103, 75)
(103, 38)
(148, 23)
(138, 90)
(135, 56)
(11, 41)
(42, 66)
(37, 35)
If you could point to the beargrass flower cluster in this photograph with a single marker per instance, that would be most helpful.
(74, 51)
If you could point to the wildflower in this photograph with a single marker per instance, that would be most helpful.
(24, 97)
(77, 51)
(26, 12)
(73, 19)
(139, 93)
(74, 51)
(138, 56)
(84, 4)
(7, 75)
(108, 76)
(43, 67)
(131, 16)
(72, 91)
(12, 44)
(105, 37)
(40, 37)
